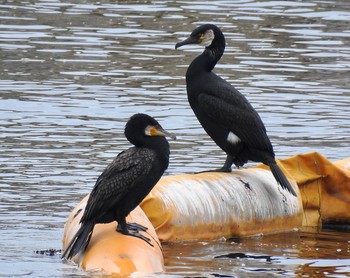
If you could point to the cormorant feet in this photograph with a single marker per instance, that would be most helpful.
(132, 229)
(136, 227)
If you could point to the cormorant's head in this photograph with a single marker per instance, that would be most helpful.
(141, 127)
(204, 35)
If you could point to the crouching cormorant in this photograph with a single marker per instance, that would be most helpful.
(125, 182)
(225, 114)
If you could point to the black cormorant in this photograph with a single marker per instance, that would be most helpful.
(225, 114)
(125, 182)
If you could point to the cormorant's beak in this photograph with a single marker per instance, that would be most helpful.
(163, 132)
(189, 40)
(158, 131)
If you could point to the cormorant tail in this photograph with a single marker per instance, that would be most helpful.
(80, 241)
(280, 177)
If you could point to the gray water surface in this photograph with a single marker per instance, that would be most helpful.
(72, 73)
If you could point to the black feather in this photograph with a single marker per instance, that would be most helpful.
(281, 178)
(79, 241)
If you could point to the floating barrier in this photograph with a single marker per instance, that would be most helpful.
(112, 252)
(215, 205)
(324, 188)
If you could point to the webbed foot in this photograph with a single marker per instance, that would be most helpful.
(133, 229)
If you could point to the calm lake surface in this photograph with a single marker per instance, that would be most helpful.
(73, 71)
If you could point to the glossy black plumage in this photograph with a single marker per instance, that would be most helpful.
(125, 182)
(225, 114)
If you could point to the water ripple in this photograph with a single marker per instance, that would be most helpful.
(74, 71)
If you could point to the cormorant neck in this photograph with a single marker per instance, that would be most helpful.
(159, 144)
(209, 58)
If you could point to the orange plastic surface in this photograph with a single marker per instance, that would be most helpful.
(324, 187)
(215, 205)
(113, 252)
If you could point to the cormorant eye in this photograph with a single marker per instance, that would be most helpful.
(206, 38)
(201, 38)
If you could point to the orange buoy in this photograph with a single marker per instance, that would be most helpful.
(213, 205)
(324, 188)
(113, 252)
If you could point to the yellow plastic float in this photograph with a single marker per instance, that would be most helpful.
(324, 188)
(214, 205)
(113, 252)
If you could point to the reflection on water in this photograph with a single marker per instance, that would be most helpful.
(74, 71)
(289, 254)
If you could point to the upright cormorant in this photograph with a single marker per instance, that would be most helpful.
(125, 182)
(225, 114)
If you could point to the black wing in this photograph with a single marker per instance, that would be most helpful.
(119, 178)
(230, 109)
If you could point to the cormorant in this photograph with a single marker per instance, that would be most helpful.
(125, 182)
(224, 113)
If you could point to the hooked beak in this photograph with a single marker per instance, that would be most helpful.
(158, 131)
(163, 132)
(189, 40)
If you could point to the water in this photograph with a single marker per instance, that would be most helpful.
(72, 72)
